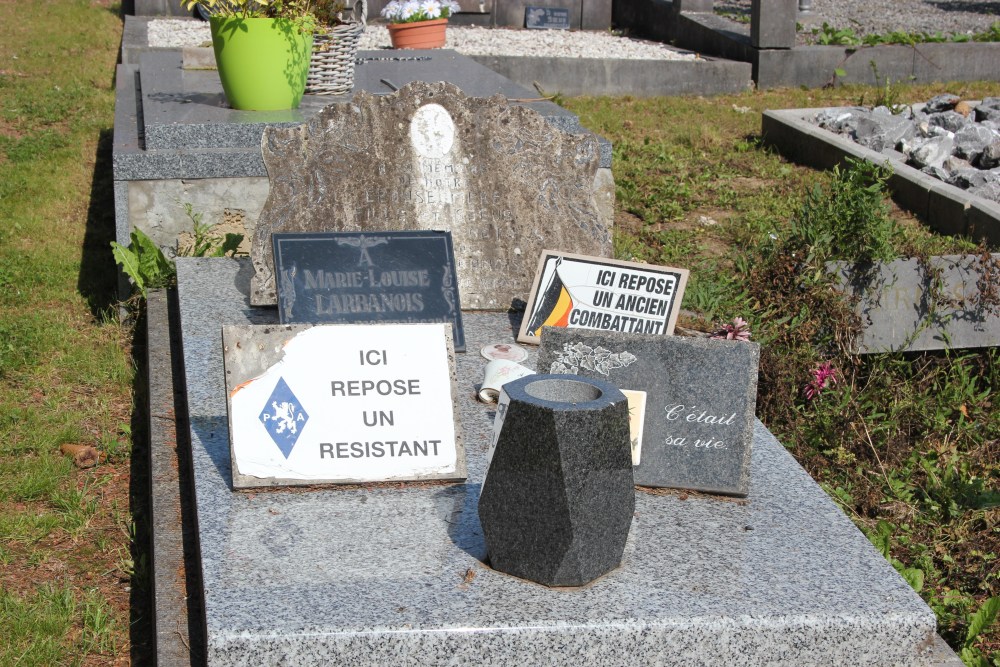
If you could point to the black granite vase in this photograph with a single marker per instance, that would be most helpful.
(558, 498)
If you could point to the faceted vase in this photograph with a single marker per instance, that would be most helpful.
(418, 35)
(558, 498)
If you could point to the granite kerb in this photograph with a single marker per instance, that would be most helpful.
(945, 208)
(807, 65)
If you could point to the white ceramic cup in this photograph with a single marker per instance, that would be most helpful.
(498, 373)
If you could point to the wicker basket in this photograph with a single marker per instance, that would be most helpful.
(331, 71)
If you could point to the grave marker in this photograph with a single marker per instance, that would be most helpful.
(341, 404)
(575, 291)
(895, 304)
(374, 278)
(499, 177)
(546, 18)
(699, 406)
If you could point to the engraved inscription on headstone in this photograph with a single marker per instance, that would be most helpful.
(341, 404)
(546, 18)
(498, 176)
(378, 277)
(700, 400)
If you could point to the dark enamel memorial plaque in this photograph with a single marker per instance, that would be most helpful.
(546, 18)
(370, 278)
(696, 398)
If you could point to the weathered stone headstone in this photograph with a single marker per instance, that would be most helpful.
(896, 303)
(341, 404)
(373, 278)
(501, 179)
(557, 502)
(700, 400)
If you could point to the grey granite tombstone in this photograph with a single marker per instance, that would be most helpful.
(381, 575)
(504, 181)
(897, 310)
(557, 501)
(700, 396)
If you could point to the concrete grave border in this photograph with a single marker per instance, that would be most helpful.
(769, 46)
(945, 208)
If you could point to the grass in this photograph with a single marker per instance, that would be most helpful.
(65, 362)
(906, 444)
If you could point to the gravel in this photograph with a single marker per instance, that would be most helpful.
(175, 33)
(862, 16)
(867, 17)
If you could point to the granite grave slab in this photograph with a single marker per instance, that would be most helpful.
(699, 403)
(371, 278)
(895, 303)
(389, 575)
(502, 180)
(557, 502)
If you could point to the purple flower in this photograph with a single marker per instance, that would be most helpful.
(738, 330)
(823, 377)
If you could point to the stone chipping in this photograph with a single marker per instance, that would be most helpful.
(957, 141)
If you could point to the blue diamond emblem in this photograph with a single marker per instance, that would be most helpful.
(283, 418)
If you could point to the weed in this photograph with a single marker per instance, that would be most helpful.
(992, 34)
(827, 35)
(848, 221)
(831, 35)
(206, 243)
(144, 262)
(148, 266)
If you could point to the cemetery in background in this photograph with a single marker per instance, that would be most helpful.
(907, 444)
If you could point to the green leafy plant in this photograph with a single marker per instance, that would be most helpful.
(144, 262)
(992, 34)
(206, 244)
(979, 622)
(147, 265)
(848, 220)
(827, 35)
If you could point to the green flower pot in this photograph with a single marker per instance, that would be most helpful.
(263, 63)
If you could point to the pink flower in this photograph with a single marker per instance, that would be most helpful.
(823, 377)
(738, 330)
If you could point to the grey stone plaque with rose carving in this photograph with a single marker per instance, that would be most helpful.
(505, 182)
(700, 397)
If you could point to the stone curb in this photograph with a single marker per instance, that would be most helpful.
(177, 620)
(945, 208)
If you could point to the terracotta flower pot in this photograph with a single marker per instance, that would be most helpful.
(418, 35)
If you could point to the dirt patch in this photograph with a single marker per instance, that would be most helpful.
(628, 223)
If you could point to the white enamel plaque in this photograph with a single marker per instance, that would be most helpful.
(342, 404)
